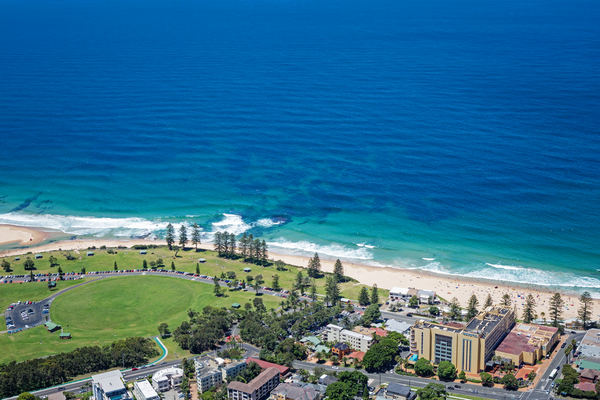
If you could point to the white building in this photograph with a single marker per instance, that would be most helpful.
(357, 341)
(144, 391)
(109, 386)
(398, 294)
(397, 326)
(212, 372)
(167, 378)
(590, 344)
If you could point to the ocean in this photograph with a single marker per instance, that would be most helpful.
(454, 137)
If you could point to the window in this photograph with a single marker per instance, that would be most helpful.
(443, 348)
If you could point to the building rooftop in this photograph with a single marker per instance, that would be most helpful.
(525, 338)
(56, 396)
(295, 391)
(586, 386)
(396, 388)
(341, 346)
(109, 381)
(399, 290)
(266, 365)
(255, 383)
(167, 372)
(590, 344)
(397, 326)
(486, 321)
(146, 388)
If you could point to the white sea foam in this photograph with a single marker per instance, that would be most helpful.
(267, 223)
(231, 223)
(333, 250)
(428, 259)
(84, 225)
(509, 267)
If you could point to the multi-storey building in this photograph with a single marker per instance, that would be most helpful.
(528, 343)
(109, 386)
(143, 391)
(357, 341)
(258, 388)
(468, 348)
(166, 379)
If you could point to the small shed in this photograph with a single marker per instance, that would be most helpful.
(65, 335)
(89, 253)
(247, 269)
(143, 252)
(38, 256)
(51, 326)
(202, 260)
(51, 284)
(236, 305)
(17, 258)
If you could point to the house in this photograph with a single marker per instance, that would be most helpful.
(258, 388)
(143, 390)
(295, 391)
(341, 349)
(65, 336)
(399, 392)
(586, 387)
(426, 296)
(327, 380)
(398, 294)
(357, 355)
(321, 348)
(402, 327)
(589, 375)
(266, 365)
(51, 326)
(310, 341)
(109, 386)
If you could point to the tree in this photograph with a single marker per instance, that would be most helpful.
(314, 266)
(363, 297)
(585, 308)
(258, 281)
(198, 268)
(338, 270)
(462, 376)
(454, 309)
(170, 237)
(115, 266)
(371, 315)
(299, 282)
(145, 264)
(488, 301)
(529, 313)
(83, 270)
(313, 291)
(52, 261)
(506, 301)
(28, 264)
(374, 295)
(26, 396)
(259, 305)
(486, 379)
(6, 266)
(244, 246)
(433, 391)
(423, 367)
(195, 235)
(332, 290)
(413, 302)
(183, 237)
(543, 315)
(232, 245)
(555, 309)
(472, 307)
(163, 329)
(381, 356)
(446, 371)
(31, 276)
(434, 311)
(264, 252)
(510, 382)
(339, 391)
(172, 266)
(275, 283)
(217, 289)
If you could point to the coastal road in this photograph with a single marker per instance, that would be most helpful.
(128, 374)
(465, 389)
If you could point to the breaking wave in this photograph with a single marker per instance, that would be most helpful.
(332, 250)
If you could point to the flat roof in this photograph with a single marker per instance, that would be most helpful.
(146, 388)
(110, 381)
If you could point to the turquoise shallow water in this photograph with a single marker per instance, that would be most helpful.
(460, 139)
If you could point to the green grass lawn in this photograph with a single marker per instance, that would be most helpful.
(101, 312)
(185, 261)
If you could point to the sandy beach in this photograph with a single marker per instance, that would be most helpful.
(383, 277)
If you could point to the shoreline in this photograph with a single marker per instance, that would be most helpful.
(384, 277)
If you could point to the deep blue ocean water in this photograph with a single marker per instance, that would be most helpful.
(457, 137)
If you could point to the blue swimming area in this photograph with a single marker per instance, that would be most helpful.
(459, 138)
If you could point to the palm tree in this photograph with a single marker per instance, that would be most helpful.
(345, 361)
(543, 315)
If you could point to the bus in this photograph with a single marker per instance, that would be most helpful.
(553, 374)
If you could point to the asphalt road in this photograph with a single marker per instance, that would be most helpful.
(488, 393)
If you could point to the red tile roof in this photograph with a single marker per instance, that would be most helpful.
(356, 354)
(586, 386)
(265, 364)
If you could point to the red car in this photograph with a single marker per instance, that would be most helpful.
(134, 369)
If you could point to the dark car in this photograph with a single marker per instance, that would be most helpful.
(563, 345)
(409, 315)
(457, 386)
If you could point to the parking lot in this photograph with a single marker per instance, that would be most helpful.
(23, 316)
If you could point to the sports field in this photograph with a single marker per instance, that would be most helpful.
(115, 308)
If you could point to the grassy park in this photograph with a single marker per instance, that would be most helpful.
(101, 312)
(183, 261)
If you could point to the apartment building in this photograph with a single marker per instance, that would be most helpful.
(109, 386)
(258, 388)
(528, 343)
(355, 340)
(469, 348)
(166, 379)
(143, 390)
